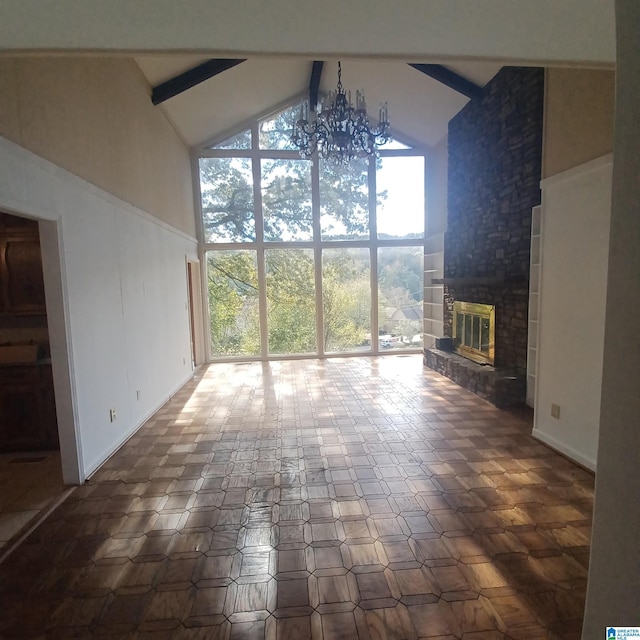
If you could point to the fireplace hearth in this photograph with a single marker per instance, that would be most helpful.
(501, 388)
(487, 341)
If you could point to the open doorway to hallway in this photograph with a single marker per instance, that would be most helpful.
(30, 467)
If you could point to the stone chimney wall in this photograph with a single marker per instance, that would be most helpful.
(495, 156)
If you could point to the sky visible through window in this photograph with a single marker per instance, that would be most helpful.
(401, 213)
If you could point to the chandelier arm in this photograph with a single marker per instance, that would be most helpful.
(340, 132)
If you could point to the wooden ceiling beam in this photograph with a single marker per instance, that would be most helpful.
(450, 78)
(314, 83)
(191, 78)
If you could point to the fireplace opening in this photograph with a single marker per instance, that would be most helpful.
(474, 331)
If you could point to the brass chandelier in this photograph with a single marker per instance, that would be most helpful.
(339, 131)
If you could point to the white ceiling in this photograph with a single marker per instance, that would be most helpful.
(419, 107)
(543, 32)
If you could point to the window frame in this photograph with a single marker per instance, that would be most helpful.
(317, 244)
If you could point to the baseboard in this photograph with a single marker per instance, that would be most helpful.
(562, 448)
(96, 464)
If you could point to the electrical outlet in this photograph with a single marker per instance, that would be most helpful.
(112, 415)
(555, 411)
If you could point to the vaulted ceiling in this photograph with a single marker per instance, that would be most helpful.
(280, 39)
(420, 107)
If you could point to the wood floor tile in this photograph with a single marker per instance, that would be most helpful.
(79, 612)
(514, 612)
(176, 573)
(209, 601)
(432, 620)
(450, 578)
(334, 589)
(339, 626)
(389, 624)
(249, 597)
(294, 560)
(373, 586)
(414, 582)
(123, 609)
(167, 605)
(292, 593)
(378, 501)
(399, 552)
(475, 616)
(254, 630)
(297, 628)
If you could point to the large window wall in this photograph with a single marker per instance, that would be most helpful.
(309, 258)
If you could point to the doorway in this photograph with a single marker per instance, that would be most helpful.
(31, 478)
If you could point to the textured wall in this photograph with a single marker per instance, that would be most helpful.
(495, 151)
(578, 117)
(94, 118)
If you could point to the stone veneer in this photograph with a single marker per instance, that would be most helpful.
(495, 385)
(494, 172)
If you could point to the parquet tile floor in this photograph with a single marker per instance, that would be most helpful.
(354, 498)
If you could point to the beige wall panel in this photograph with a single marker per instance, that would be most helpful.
(578, 117)
(9, 120)
(94, 117)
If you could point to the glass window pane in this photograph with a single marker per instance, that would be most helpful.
(400, 297)
(344, 200)
(400, 197)
(467, 329)
(241, 140)
(232, 282)
(226, 185)
(484, 339)
(286, 200)
(291, 315)
(475, 340)
(346, 300)
(275, 132)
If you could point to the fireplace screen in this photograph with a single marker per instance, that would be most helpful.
(474, 331)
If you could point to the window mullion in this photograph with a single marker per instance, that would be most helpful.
(317, 253)
(373, 235)
(260, 254)
(202, 255)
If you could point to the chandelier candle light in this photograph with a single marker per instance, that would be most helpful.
(339, 131)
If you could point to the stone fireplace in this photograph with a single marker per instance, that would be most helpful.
(494, 170)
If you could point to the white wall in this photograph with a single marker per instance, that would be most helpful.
(116, 286)
(576, 209)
